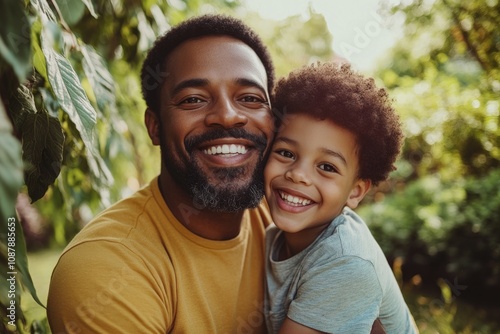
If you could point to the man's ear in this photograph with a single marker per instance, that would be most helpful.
(153, 126)
(358, 192)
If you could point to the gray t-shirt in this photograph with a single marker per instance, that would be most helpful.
(341, 283)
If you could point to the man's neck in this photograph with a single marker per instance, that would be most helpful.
(202, 222)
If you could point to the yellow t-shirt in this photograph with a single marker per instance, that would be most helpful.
(136, 269)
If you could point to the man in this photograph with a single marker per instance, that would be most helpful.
(185, 253)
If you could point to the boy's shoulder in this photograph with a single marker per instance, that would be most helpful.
(348, 235)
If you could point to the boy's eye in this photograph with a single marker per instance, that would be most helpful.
(328, 168)
(285, 153)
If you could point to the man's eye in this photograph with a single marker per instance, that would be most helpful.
(285, 153)
(253, 99)
(192, 100)
(328, 168)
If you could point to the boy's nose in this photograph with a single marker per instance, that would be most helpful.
(298, 174)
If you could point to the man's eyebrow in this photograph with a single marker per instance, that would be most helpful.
(189, 83)
(199, 82)
(251, 83)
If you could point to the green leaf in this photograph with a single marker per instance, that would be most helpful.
(73, 100)
(71, 10)
(100, 79)
(90, 7)
(38, 58)
(15, 39)
(21, 103)
(44, 10)
(70, 94)
(43, 141)
(11, 166)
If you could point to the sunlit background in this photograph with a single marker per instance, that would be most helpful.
(438, 216)
(360, 33)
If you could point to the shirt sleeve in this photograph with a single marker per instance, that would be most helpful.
(338, 296)
(112, 293)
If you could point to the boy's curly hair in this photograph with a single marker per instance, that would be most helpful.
(350, 100)
(152, 72)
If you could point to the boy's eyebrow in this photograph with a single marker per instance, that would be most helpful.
(285, 140)
(292, 142)
(335, 154)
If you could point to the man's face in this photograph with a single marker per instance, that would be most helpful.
(215, 122)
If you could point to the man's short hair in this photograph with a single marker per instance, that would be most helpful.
(152, 73)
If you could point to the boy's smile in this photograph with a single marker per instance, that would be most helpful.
(292, 201)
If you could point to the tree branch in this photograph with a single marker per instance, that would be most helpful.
(467, 39)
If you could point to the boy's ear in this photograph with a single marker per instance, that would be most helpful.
(152, 122)
(358, 192)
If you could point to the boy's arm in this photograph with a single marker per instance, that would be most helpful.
(338, 295)
(291, 327)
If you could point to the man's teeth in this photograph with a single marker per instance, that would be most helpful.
(226, 149)
(294, 200)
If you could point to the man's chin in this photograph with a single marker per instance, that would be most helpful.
(230, 198)
(230, 189)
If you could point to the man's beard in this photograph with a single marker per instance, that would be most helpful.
(224, 196)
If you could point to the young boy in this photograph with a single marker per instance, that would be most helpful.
(337, 136)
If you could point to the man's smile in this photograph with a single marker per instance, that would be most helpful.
(231, 149)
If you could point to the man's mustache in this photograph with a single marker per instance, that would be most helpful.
(260, 142)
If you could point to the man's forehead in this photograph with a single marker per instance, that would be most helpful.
(221, 56)
(206, 46)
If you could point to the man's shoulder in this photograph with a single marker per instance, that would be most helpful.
(115, 222)
(133, 204)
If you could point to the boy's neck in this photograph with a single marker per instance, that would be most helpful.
(298, 241)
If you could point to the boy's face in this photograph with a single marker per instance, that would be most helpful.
(311, 173)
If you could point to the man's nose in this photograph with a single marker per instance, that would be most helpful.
(226, 114)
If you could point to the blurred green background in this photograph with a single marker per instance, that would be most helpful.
(72, 139)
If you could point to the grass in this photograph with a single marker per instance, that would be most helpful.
(40, 265)
(439, 314)
(433, 313)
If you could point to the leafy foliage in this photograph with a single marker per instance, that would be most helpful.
(295, 41)
(444, 230)
(443, 216)
(449, 62)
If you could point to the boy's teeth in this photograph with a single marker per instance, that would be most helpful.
(294, 200)
(226, 149)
